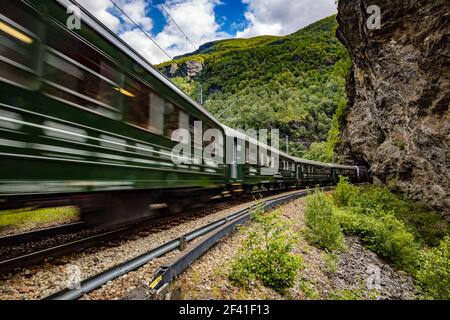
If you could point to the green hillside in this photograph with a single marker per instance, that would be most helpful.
(294, 83)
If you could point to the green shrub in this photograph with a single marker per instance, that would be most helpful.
(397, 229)
(266, 254)
(433, 275)
(426, 225)
(322, 226)
(383, 234)
(344, 192)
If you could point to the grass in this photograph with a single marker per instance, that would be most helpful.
(354, 294)
(30, 218)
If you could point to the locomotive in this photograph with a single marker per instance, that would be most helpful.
(86, 121)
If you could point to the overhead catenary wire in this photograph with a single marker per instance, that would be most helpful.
(150, 37)
(142, 30)
(177, 25)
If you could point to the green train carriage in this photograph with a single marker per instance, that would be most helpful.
(80, 111)
(86, 121)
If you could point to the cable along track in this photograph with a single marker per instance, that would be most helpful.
(213, 232)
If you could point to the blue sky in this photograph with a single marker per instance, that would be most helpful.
(203, 21)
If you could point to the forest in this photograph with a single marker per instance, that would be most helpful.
(294, 83)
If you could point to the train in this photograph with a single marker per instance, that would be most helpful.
(86, 121)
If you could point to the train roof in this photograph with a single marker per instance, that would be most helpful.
(104, 31)
(339, 166)
(311, 162)
(238, 134)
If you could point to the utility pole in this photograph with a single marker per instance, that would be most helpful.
(287, 144)
(201, 94)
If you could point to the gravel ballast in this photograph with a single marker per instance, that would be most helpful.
(42, 280)
(356, 270)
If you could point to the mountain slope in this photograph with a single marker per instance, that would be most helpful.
(294, 83)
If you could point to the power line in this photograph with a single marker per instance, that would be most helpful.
(148, 36)
(143, 31)
(173, 20)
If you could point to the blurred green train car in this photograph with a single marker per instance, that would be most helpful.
(86, 121)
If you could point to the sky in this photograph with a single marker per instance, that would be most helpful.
(202, 21)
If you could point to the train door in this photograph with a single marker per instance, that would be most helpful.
(234, 168)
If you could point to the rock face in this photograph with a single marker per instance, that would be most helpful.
(190, 68)
(398, 118)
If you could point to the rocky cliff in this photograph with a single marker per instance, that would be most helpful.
(189, 68)
(399, 91)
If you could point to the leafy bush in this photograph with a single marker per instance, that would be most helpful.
(322, 226)
(383, 234)
(433, 275)
(266, 254)
(400, 231)
(344, 192)
(426, 225)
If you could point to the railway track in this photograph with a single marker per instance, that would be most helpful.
(31, 248)
(36, 235)
(207, 235)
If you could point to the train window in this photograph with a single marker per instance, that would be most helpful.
(20, 13)
(171, 118)
(247, 152)
(184, 120)
(156, 124)
(196, 143)
(18, 46)
(192, 122)
(183, 123)
(77, 73)
(137, 103)
(252, 153)
(205, 128)
(262, 157)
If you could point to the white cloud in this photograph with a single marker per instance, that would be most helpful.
(195, 17)
(282, 17)
(101, 9)
(137, 11)
(198, 21)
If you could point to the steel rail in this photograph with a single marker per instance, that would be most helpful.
(21, 238)
(96, 281)
(41, 255)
